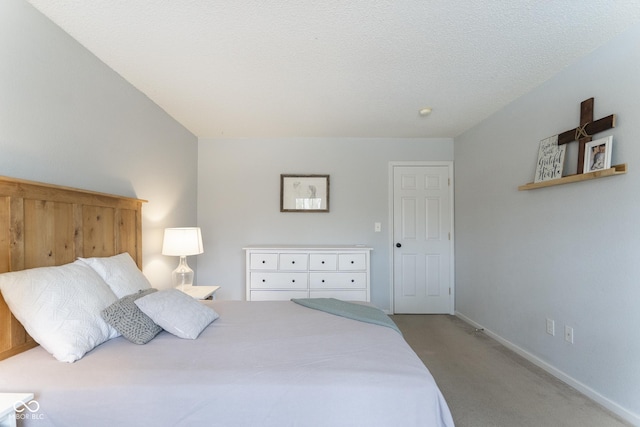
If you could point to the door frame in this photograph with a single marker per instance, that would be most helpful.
(391, 222)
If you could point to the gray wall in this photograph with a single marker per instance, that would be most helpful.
(239, 205)
(570, 253)
(68, 119)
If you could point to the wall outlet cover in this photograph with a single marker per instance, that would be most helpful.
(551, 327)
(568, 334)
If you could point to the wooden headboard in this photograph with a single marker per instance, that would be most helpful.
(46, 225)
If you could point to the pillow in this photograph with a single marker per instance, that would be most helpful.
(60, 307)
(177, 312)
(120, 272)
(129, 320)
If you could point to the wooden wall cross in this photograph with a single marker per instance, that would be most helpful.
(585, 131)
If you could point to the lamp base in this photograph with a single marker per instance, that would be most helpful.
(182, 275)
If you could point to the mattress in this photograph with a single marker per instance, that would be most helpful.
(272, 363)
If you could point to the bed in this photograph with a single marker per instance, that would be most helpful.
(272, 363)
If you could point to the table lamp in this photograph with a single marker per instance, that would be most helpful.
(182, 242)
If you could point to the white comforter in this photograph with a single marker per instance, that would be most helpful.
(259, 364)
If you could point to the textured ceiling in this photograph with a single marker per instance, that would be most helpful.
(337, 68)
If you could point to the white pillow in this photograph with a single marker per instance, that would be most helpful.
(120, 272)
(60, 307)
(177, 313)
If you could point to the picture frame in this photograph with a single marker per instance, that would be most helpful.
(304, 193)
(597, 154)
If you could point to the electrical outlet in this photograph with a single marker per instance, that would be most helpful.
(568, 334)
(551, 327)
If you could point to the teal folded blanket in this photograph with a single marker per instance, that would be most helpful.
(361, 312)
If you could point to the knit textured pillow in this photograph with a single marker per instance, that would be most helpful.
(126, 318)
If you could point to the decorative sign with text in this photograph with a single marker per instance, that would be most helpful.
(550, 159)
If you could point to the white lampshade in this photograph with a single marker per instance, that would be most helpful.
(182, 241)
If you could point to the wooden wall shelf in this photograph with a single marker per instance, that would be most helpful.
(614, 170)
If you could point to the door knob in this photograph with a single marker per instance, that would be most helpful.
(398, 245)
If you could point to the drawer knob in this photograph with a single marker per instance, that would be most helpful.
(322, 280)
(263, 280)
(352, 280)
(322, 262)
(352, 262)
(264, 262)
(293, 281)
(293, 262)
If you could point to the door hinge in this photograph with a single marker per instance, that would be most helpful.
(449, 235)
(449, 291)
(449, 181)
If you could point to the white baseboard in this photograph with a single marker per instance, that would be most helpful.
(582, 388)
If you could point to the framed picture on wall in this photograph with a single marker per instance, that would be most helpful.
(597, 154)
(304, 193)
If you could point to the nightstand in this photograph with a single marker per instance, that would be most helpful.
(9, 402)
(199, 292)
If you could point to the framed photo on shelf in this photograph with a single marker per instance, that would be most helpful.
(304, 193)
(597, 154)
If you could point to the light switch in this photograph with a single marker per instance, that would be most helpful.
(377, 227)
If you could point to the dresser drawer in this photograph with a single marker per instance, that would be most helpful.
(278, 295)
(293, 262)
(352, 262)
(349, 295)
(338, 280)
(261, 280)
(266, 261)
(328, 262)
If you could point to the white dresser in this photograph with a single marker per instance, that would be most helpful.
(284, 272)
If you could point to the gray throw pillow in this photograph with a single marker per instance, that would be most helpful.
(126, 318)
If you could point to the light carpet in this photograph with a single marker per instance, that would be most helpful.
(486, 384)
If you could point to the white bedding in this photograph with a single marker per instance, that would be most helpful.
(270, 363)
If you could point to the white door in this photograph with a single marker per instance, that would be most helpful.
(422, 233)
